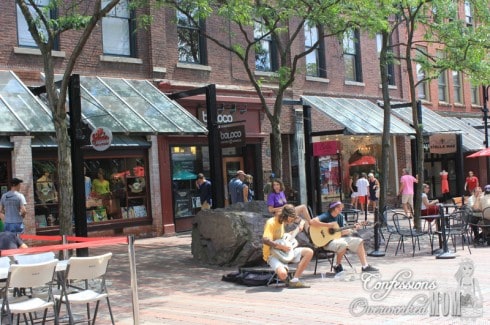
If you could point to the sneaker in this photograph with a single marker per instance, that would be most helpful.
(369, 268)
(297, 285)
(338, 268)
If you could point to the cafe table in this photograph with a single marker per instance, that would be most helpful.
(443, 252)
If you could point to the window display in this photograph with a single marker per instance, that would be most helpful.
(187, 162)
(115, 188)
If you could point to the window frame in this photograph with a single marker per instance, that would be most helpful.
(201, 41)
(391, 66)
(352, 36)
(318, 53)
(457, 87)
(263, 36)
(131, 24)
(53, 14)
(468, 14)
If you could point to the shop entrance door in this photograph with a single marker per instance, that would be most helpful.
(230, 166)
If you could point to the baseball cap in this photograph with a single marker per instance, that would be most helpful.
(16, 181)
(334, 204)
(240, 172)
(370, 175)
(487, 188)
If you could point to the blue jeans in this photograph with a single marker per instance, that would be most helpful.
(17, 228)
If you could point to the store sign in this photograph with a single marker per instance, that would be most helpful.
(221, 118)
(101, 139)
(232, 136)
(325, 148)
(442, 143)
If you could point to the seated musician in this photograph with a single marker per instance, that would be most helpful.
(332, 219)
(273, 231)
(428, 208)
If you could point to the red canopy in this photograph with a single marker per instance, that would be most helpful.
(482, 153)
(364, 160)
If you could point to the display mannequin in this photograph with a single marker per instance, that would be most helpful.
(45, 190)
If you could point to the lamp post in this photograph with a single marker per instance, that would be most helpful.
(485, 125)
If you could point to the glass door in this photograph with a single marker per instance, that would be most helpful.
(230, 166)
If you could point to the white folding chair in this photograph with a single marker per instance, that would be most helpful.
(34, 258)
(37, 276)
(83, 269)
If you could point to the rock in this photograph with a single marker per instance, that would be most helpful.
(230, 236)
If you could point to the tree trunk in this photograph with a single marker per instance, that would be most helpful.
(276, 146)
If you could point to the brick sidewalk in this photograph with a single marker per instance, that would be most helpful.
(174, 289)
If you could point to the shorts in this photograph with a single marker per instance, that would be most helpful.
(343, 243)
(354, 194)
(407, 198)
(275, 263)
(373, 197)
(361, 199)
(17, 228)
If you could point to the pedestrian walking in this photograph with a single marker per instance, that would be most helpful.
(13, 208)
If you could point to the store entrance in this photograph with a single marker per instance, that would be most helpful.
(230, 166)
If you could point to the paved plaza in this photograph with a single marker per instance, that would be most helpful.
(175, 289)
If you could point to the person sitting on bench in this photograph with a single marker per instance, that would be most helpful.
(278, 251)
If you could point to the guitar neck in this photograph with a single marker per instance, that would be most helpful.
(296, 230)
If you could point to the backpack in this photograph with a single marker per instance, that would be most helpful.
(248, 278)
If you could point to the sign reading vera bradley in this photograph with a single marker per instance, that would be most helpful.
(101, 138)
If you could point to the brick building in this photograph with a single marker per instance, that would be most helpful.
(170, 161)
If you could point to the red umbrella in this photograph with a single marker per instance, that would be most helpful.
(364, 160)
(482, 153)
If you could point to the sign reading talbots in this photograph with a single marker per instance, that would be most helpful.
(101, 138)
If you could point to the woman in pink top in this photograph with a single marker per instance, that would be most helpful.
(406, 191)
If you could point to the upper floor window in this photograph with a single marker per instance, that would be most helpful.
(191, 42)
(391, 66)
(458, 91)
(423, 84)
(442, 82)
(265, 50)
(475, 95)
(352, 56)
(315, 60)
(468, 13)
(24, 36)
(118, 37)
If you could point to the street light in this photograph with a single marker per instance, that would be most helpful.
(485, 125)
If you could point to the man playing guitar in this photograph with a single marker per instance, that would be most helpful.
(332, 219)
(274, 230)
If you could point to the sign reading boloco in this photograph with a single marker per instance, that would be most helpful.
(101, 138)
(232, 136)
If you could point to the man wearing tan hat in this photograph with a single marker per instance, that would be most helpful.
(235, 187)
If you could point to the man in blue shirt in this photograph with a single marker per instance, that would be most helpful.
(205, 193)
(333, 218)
(235, 187)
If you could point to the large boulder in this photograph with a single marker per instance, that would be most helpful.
(230, 236)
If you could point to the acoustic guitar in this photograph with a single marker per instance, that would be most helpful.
(322, 235)
(288, 239)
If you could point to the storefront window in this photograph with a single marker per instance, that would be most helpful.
(3, 177)
(187, 162)
(115, 189)
(45, 193)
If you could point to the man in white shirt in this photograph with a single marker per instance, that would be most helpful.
(362, 190)
(13, 208)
